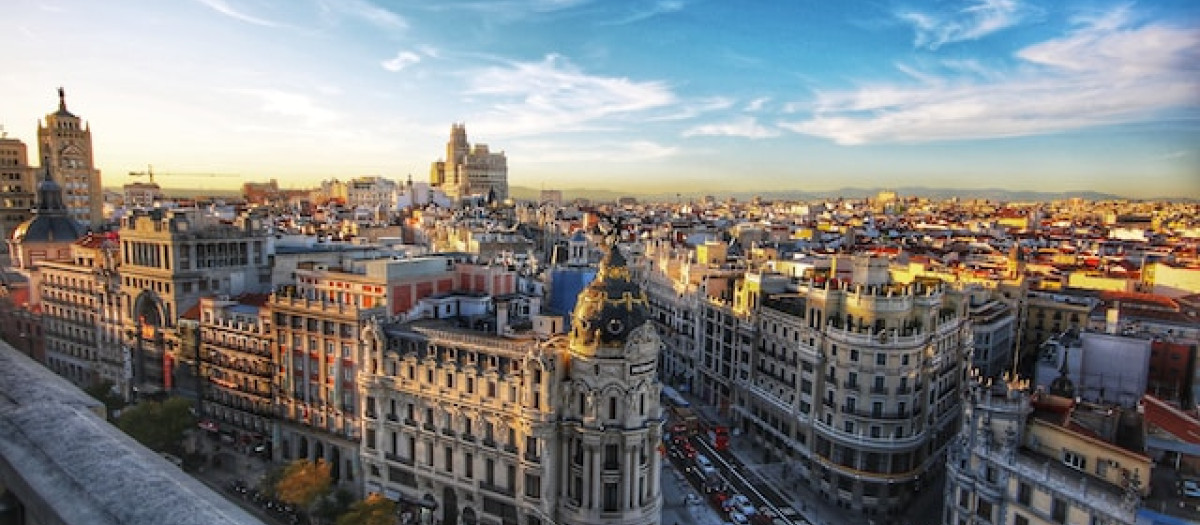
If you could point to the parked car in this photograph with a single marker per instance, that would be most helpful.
(1190, 488)
(738, 518)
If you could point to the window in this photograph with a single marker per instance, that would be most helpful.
(1058, 511)
(612, 408)
(880, 359)
(533, 485)
(611, 497)
(449, 458)
(1020, 520)
(1074, 460)
(469, 465)
(489, 471)
(984, 510)
(1024, 493)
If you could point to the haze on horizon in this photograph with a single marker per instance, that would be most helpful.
(629, 95)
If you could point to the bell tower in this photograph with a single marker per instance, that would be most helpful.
(612, 418)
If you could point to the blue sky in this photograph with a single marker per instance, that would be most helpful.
(666, 95)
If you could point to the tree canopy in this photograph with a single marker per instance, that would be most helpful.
(159, 426)
(103, 392)
(304, 482)
(375, 510)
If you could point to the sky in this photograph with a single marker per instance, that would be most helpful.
(645, 96)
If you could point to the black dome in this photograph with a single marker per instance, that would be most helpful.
(611, 306)
(50, 222)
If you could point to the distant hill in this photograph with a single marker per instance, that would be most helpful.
(994, 194)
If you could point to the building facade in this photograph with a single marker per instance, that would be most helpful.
(857, 384)
(1027, 458)
(236, 340)
(65, 142)
(470, 170)
(81, 314)
(17, 181)
(482, 429)
(169, 259)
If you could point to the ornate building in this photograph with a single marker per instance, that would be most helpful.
(858, 383)
(478, 428)
(49, 234)
(169, 259)
(1027, 458)
(67, 142)
(236, 338)
(470, 170)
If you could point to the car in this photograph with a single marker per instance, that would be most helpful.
(738, 518)
(692, 499)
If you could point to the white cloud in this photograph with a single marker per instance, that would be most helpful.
(402, 60)
(367, 11)
(221, 6)
(537, 152)
(289, 104)
(657, 8)
(553, 95)
(746, 127)
(1102, 73)
(979, 19)
(757, 104)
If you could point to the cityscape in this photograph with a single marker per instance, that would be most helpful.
(588, 285)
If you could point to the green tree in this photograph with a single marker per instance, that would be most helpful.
(303, 483)
(159, 426)
(375, 510)
(333, 505)
(103, 392)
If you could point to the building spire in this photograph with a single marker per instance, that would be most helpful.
(62, 99)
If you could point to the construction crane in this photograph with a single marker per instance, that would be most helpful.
(149, 173)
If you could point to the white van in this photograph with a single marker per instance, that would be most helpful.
(705, 465)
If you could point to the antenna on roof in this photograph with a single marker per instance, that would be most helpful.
(3, 133)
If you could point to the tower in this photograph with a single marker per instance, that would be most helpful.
(612, 419)
(17, 190)
(67, 144)
(468, 170)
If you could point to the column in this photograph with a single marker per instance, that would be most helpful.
(631, 473)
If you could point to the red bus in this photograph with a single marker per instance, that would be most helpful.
(718, 437)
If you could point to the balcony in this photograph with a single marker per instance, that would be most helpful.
(850, 384)
(495, 489)
(392, 418)
(511, 449)
(532, 458)
(880, 390)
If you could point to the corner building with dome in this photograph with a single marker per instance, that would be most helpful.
(471, 427)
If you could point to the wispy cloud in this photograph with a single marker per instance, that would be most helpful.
(611, 151)
(290, 104)
(757, 104)
(1105, 71)
(366, 11)
(402, 60)
(223, 7)
(746, 127)
(644, 12)
(1174, 155)
(979, 19)
(554, 95)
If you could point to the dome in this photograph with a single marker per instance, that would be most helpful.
(611, 306)
(50, 222)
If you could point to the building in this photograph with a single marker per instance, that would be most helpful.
(858, 384)
(478, 428)
(994, 324)
(17, 182)
(169, 259)
(62, 463)
(80, 299)
(49, 234)
(1104, 368)
(1037, 459)
(470, 170)
(372, 193)
(65, 142)
(141, 194)
(236, 367)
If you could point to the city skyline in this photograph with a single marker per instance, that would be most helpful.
(649, 96)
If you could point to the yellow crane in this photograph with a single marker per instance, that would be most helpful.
(149, 173)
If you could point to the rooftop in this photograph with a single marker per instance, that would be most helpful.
(67, 465)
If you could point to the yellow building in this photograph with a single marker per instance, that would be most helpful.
(1037, 459)
(1170, 280)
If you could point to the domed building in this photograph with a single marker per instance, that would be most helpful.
(51, 231)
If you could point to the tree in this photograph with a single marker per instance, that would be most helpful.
(103, 392)
(375, 510)
(333, 505)
(303, 483)
(159, 426)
